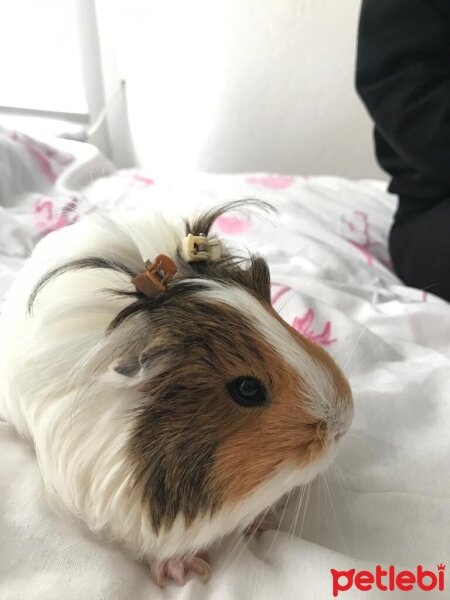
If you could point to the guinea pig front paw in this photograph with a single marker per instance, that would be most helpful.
(181, 570)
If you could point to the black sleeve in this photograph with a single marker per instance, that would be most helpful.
(403, 77)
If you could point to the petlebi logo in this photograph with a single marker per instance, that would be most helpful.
(388, 579)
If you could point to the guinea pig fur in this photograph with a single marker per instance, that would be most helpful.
(163, 423)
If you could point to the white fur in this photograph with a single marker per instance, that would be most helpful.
(57, 390)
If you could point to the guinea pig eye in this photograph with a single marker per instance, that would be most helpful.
(247, 391)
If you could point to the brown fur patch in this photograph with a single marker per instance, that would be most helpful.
(284, 433)
(187, 413)
(192, 446)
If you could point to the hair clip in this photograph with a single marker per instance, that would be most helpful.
(200, 247)
(155, 278)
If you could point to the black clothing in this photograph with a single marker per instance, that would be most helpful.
(403, 77)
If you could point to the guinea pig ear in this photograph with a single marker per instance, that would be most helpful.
(259, 275)
(128, 370)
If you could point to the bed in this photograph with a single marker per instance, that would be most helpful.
(387, 500)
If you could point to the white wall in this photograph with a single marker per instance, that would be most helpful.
(241, 85)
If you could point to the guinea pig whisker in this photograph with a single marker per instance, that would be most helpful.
(346, 478)
(340, 479)
(318, 508)
(344, 493)
(242, 543)
(285, 303)
(241, 540)
(308, 494)
(349, 358)
(279, 524)
(297, 512)
(361, 363)
(339, 530)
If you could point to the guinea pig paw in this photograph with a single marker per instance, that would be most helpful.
(262, 524)
(181, 570)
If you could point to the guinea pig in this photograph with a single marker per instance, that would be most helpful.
(165, 417)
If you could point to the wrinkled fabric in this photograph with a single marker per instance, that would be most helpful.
(387, 500)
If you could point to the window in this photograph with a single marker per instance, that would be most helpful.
(40, 62)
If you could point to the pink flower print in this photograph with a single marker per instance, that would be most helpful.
(139, 177)
(358, 234)
(303, 326)
(232, 224)
(275, 296)
(273, 182)
(47, 219)
(41, 159)
(62, 158)
(49, 160)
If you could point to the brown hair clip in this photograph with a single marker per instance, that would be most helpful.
(153, 281)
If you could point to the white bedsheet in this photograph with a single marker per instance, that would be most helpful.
(389, 502)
